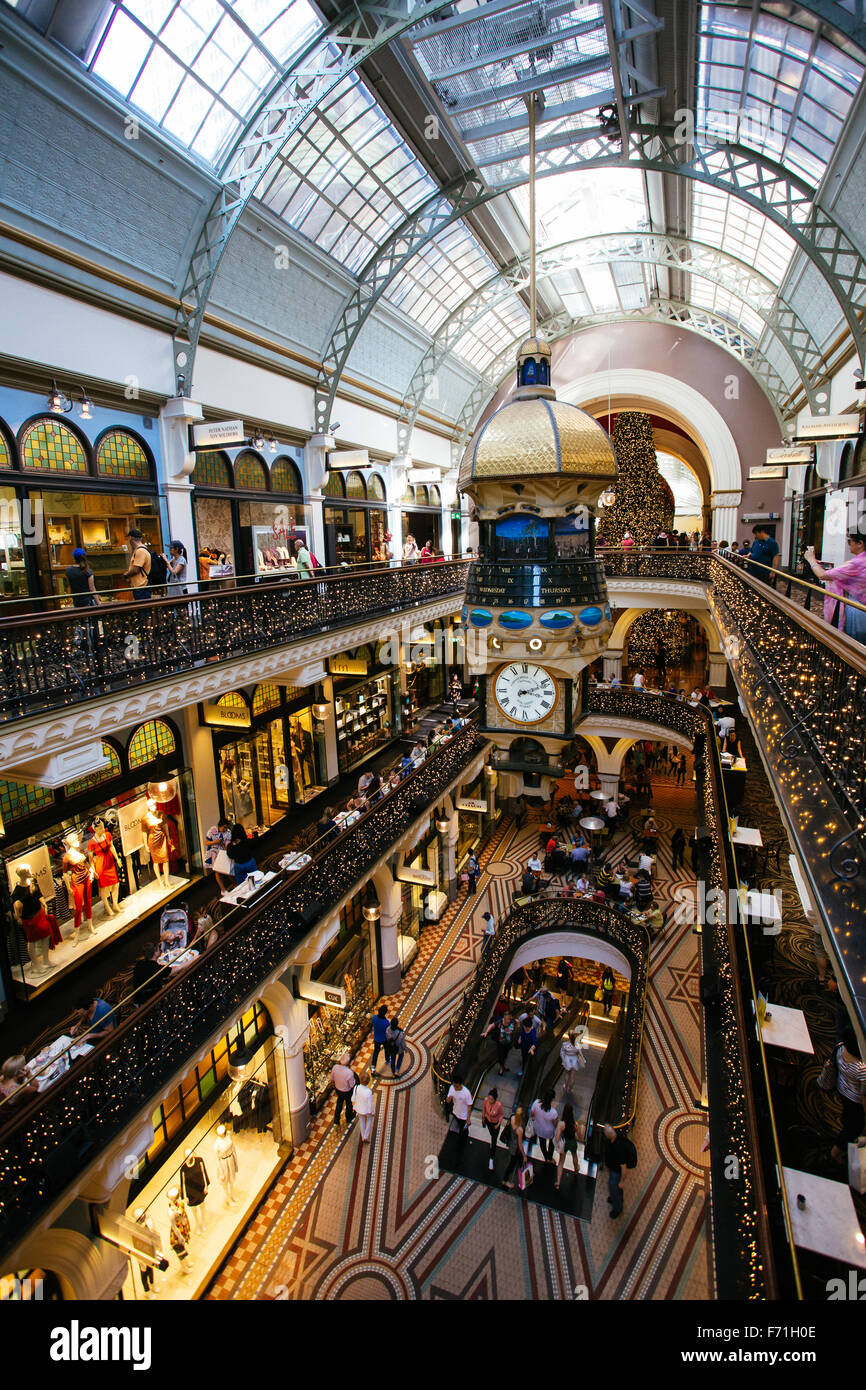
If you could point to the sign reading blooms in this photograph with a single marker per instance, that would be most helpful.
(644, 503)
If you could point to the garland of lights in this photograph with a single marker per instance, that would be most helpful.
(651, 628)
(644, 503)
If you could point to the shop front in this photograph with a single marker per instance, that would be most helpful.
(349, 964)
(366, 708)
(356, 519)
(474, 814)
(219, 1140)
(249, 511)
(429, 652)
(422, 515)
(269, 752)
(423, 892)
(63, 489)
(103, 852)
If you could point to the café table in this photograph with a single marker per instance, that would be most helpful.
(785, 1027)
(53, 1060)
(747, 835)
(295, 860)
(177, 957)
(828, 1222)
(763, 908)
(599, 796)
(244, 890)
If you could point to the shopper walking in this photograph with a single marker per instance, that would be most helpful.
(682, 765)
(565, 1141)
(410, 551)
(240, 852)
(364, 1106)
(343, 1082)
(607, 988)
(618, 1154)
(397, 1046)
(851, 1087)
(473, 870)
(527, 1041)
(380, 1035)
(544, 1117)
(514, 1141)
(491, 1118)
(138, 572)
(678, 847)
(303, 561)
(571, 1057)
(459, 1099)
(849, 579)
(175, 564)
(489, 931)
(79, 578)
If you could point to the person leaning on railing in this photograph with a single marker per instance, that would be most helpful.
(848, 579)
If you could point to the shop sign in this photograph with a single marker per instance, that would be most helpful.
(791, 453)
(762, 471)
(216, 433)
(829, 427)
(349, 458)
(129, 818)
(348, 666)
(225, 716)
(424, 475)
(426, 878)
(470, 803)
(319, 993)
(40, 866)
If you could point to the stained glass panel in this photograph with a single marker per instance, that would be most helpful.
(120, 455)
(149, 742)
(17, 799)
(285, 477)
(251, 473)
(49, 446)
(102, 774)
(212, 469)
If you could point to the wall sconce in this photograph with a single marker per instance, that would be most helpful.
(607, 498)
(441, 823)
(320, 712)
(257, 441)
(58, 401)
(272, 445)
(86, 408)
(489, 770)
(371, 912)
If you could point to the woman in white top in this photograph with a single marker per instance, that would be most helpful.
(364, 1106)
(571, 1057)
(544, 1117)
(176, 564)
(638, 681)
(410, 551)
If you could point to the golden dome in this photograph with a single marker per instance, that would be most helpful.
(538, 436)
(534, 347)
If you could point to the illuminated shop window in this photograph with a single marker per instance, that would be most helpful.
(102, 774)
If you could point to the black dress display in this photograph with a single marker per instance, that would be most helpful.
(194, 1182)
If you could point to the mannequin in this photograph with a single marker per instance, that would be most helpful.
(157, 843)
(30, 911)
(105, 862)
(194, 1184)
(76, 876)
(179, 1229)
(146, 1271)
(227, 1162)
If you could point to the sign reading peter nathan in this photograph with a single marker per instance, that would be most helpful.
(534, 586)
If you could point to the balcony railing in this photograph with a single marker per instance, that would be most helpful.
(530, 584)
(458, 1047)
(46, 1143)
(52, 660)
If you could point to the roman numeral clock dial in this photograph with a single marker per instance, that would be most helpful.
(526, 693)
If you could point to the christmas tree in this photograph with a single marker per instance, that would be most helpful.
(644, 503)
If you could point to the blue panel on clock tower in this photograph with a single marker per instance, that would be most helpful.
(557, 619)
(514, 619)
(479, 617)
(591, 617)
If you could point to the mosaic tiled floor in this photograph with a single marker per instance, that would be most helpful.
(377, 1221)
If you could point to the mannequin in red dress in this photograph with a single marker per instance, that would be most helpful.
(104, 862)
(76, 876)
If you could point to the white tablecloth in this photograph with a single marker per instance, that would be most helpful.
(56, 1058)
(245, 890)
(786, 1028)
(294, 861)
(828, 1223)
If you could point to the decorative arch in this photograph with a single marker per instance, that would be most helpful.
(121, 454)
(102, 774)
(266, 697)
(150, 741)
(234, 699)
(356, 488)
(626, 620)
(376, 488)
(251, 472)
(212, 469)
(49, 445)
(7, 447)
(286, 476)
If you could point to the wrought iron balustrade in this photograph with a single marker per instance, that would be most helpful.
(644, 563)
(543, 915)
(536, 584)
(52, 660)
(47, 1142)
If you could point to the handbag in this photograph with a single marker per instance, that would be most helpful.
(829, 1073)
(599, 995)
(222, 864)
(464, 877)
(525, 1175)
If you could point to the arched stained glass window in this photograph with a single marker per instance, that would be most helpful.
(49, 446)
(150, 741)
(119, 455)
(17, 800)
(251, 472)
(102, 774)
(232, 700)
(285, 476)
(266, 697)
(421, 498)
(212, 469)
(5, 455)
(355, 486)
(435, 496)
(334, 486)
(375, 488)
(408, 498)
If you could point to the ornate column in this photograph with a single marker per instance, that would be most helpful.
(718, 669)
(725, 507)
(390, 918)
(292, 1026)
(612, 663)
(178, 461)
(609, 783)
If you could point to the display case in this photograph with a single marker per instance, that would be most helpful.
(98, 524)
(364, 720)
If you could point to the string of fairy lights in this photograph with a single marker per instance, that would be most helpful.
(644, 503)
(658, 630)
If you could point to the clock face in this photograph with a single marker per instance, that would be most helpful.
(526, 693)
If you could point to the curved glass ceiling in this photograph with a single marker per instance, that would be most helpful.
(198, 68)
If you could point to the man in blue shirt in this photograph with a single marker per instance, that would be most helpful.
(764, 551)
(380, 1031)
(97, 1019)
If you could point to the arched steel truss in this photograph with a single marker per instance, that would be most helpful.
(709, 325)
(738, 278)
(782, 198)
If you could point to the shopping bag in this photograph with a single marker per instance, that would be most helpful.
(525, 1174)
(857, 1165)
(222, 864)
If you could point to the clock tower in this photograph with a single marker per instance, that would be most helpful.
(536, 599)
